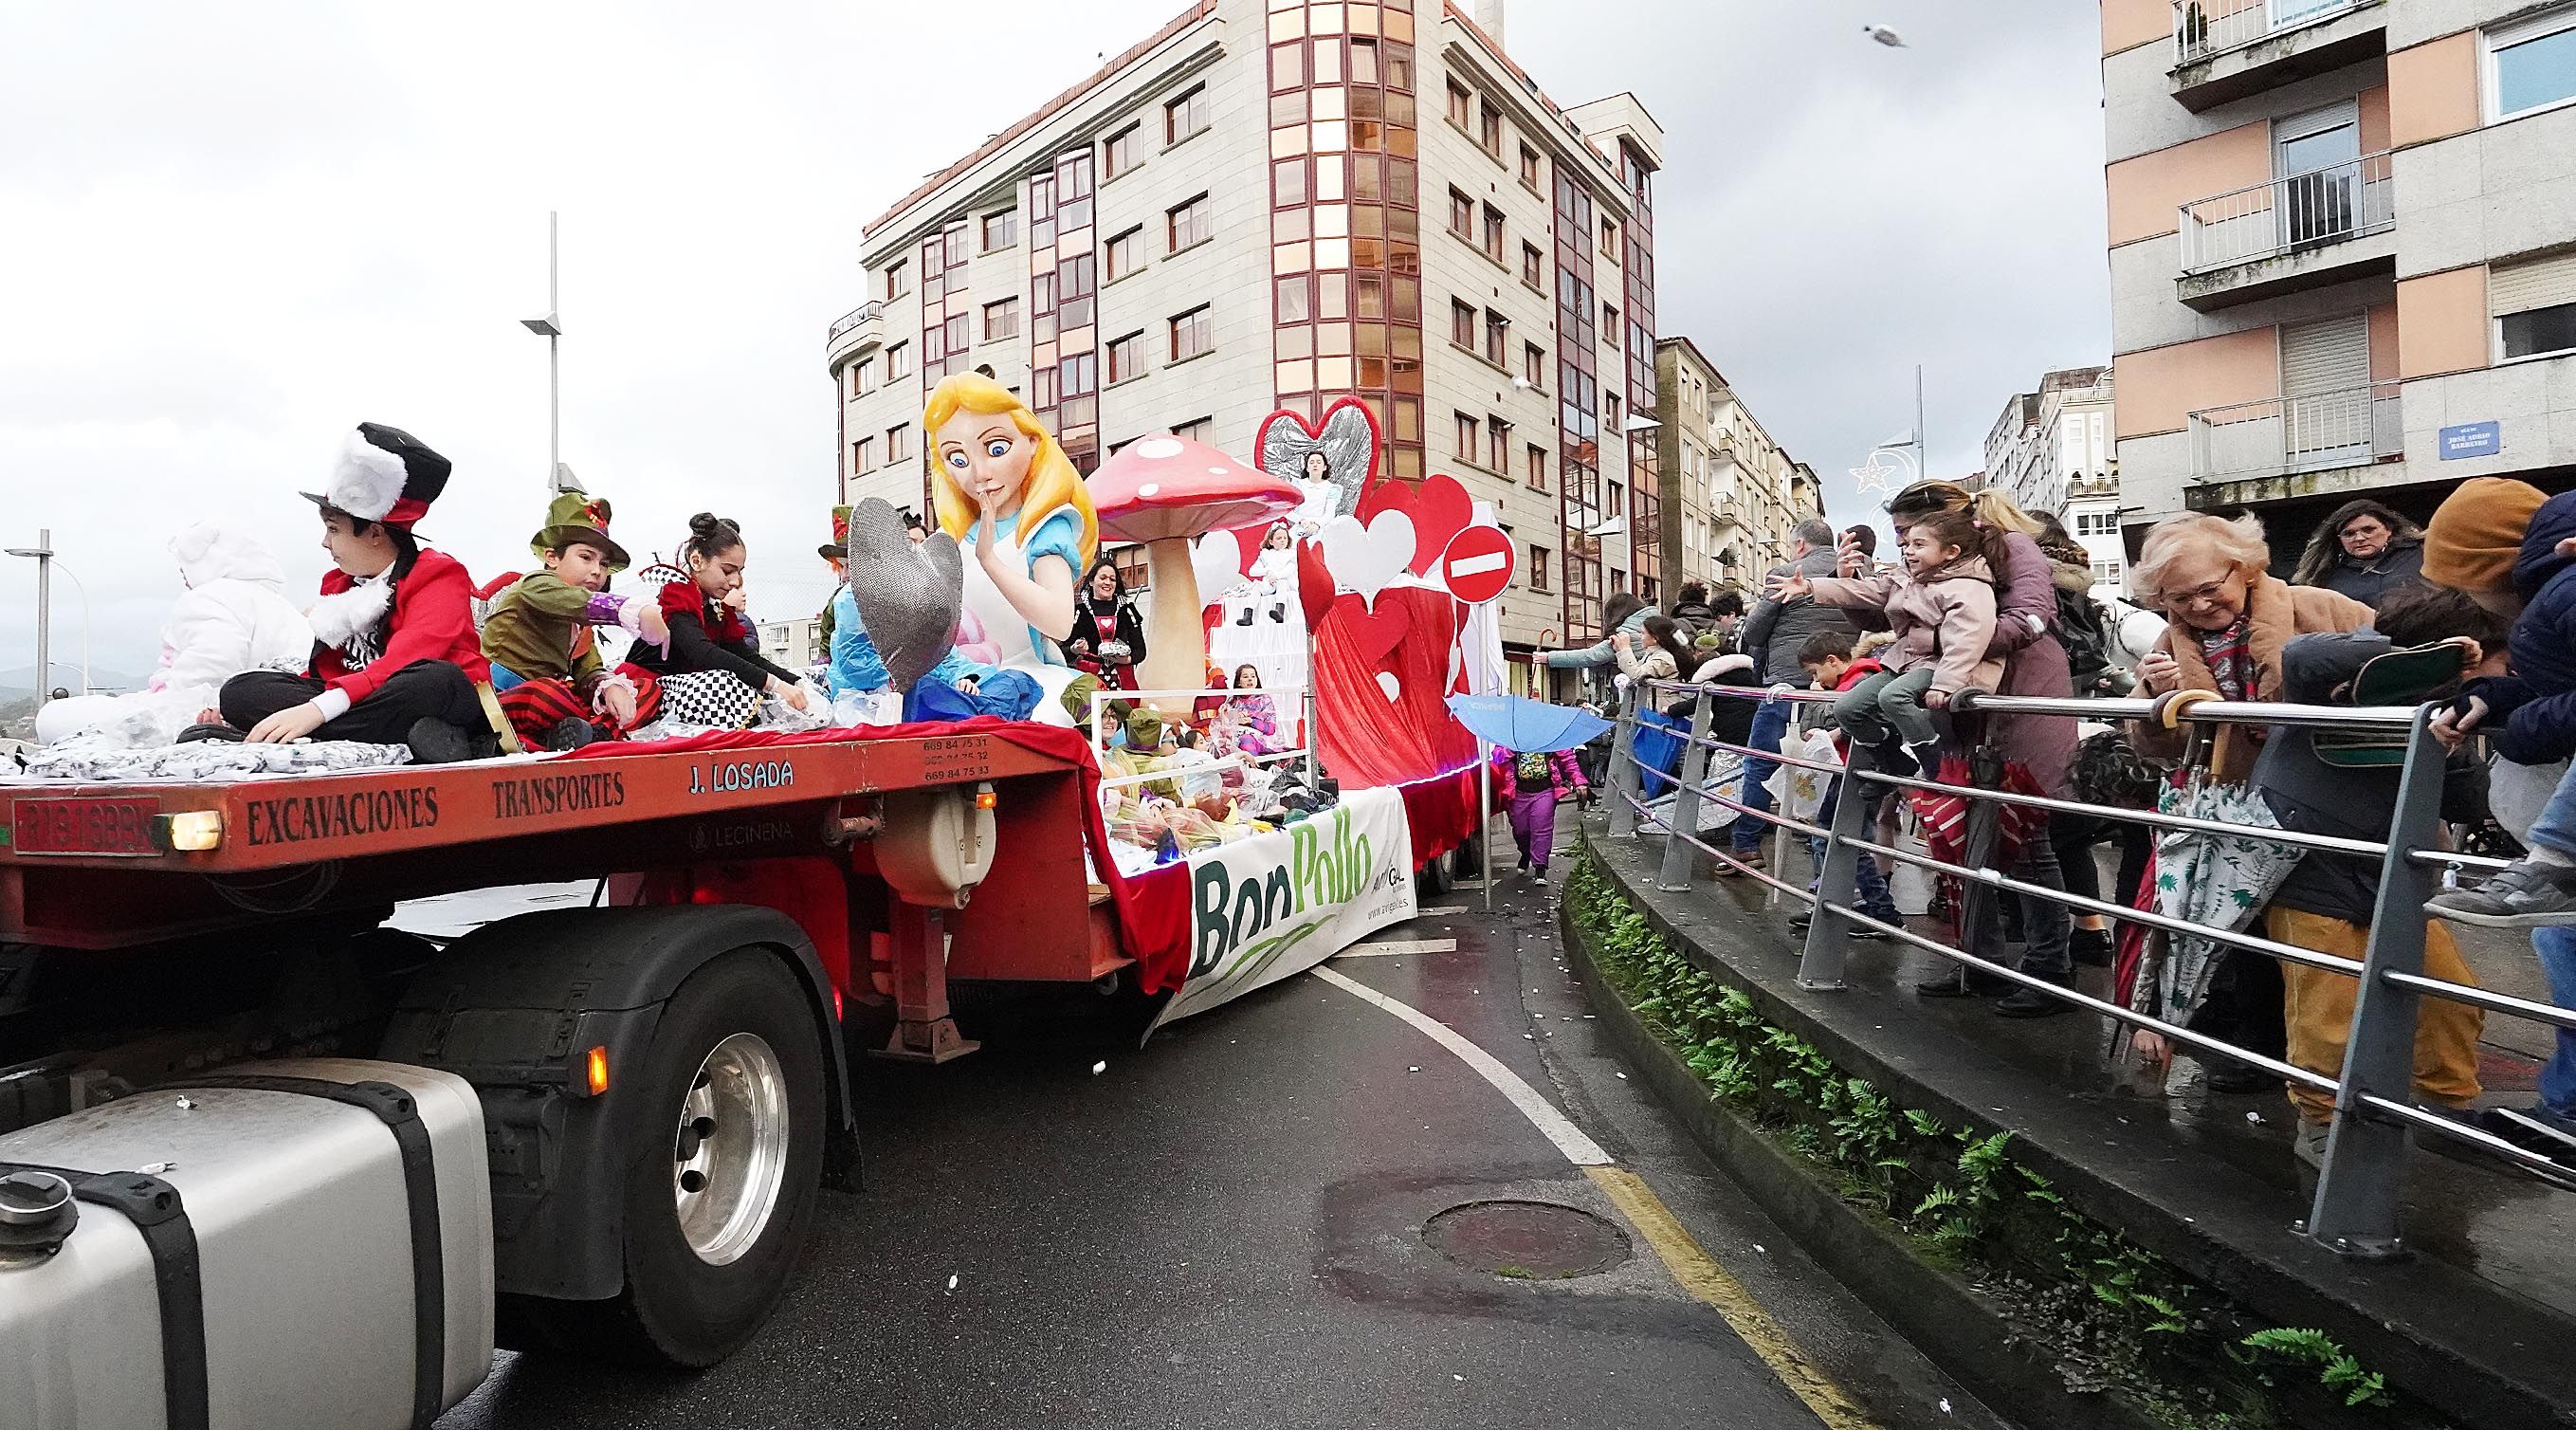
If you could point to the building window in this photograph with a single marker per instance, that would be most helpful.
(954, 330)
(2534, 305)
(863, 378)
(1190, 224)
(1001, 230)
(1538, 567)
(1078, 376)
(1186, 116)
(899, 443)
(1462, 215)
(1296, 299)
(1529, 168)
(1193, 333)
(1610, 239)
(2106, 572)
(2531, 66)
(1459, 99)
(1126, 357)
(1126, 253)
(2541, 332)
(863, 455)
(1124, 151)
(1616, 494)
(1535, 461)
(1498, 338)
(1466, 448)
(898, 362)
(1498, 444)
(1533, 269)
(898, 281)
(1462, 324)
(1610, 325)
(1534, 365)
(1197, 429)
(1493, 233)
(1489, 130)
(1610, 417)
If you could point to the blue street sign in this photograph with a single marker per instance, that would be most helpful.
(2472, 439)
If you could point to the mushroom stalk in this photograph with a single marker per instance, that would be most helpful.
(1176, 627)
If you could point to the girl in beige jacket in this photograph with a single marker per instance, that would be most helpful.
(1941, 606)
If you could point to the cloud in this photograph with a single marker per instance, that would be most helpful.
(246, 228)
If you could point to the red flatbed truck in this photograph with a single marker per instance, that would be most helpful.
(664, 1076)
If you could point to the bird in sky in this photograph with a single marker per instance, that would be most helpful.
(1884, 36)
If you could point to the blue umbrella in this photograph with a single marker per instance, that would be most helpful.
(1525, 726)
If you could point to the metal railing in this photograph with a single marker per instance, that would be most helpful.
(2203, 28)
(2288, 215)
(2357, 1206)
(2282, 436)
(865, 312)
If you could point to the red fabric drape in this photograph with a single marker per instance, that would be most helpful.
(1153, 908)
(1364, 738)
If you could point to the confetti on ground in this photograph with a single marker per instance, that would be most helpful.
(952, 1281)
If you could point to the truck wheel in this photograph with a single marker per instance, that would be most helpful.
(724, 1151)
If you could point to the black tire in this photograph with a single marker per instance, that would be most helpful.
(1432, 880)
(678, 1309)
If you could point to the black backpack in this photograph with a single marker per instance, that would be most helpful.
(2085, 636)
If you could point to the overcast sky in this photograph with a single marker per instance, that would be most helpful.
(235, 231)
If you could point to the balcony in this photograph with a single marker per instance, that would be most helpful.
(853, 333)
(2274, 448)
(2305, 231)
(2228, 49)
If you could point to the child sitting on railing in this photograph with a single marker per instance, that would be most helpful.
(1941, 606)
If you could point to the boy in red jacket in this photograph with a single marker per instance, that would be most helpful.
(395, 656)
(1827, 656)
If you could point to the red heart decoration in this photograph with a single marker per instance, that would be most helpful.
(1375, 633)
(1439, 509)
(1248, 540)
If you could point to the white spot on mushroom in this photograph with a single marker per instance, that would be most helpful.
(1149, 489)
(1216, 471)
(1159, 448)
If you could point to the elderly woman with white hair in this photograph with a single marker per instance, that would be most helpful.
(2229, 619)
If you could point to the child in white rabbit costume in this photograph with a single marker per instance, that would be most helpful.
(234, 617)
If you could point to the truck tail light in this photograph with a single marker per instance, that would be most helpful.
(192, 831)
(594, 1070)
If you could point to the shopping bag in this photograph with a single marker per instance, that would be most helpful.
(1796, 791)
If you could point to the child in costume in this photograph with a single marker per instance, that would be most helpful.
(1009, 495)
(546, 666)
(1531, 786)
(711, 670)
(395, 658)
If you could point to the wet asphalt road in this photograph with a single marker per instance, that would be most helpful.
(1224, 1228)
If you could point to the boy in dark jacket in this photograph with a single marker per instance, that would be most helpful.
(1827, 658)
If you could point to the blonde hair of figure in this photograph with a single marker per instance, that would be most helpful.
(1053, 483)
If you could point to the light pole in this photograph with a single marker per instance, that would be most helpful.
(43, 552)
(549, 325)
(83, 588)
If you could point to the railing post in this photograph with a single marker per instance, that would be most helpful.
(1624, 785)
(1679, 853)
(2357, 1208)
(1820, 964)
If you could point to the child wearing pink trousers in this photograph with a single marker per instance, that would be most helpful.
(1530, 786)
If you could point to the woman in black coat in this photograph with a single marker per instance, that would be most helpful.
(2363, 551)
(1108, 637)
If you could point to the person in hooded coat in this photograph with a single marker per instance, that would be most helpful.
(233, 618)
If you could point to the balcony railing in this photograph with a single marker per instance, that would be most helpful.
(2209, 27)
(2303, 211)
(2281, 436)
(852, 319)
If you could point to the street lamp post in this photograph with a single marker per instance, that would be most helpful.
(43, 552)
(549, 325)
(82, 587)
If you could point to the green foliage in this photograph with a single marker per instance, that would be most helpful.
(2113, 1313)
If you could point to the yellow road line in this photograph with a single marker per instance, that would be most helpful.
(1708, 1282)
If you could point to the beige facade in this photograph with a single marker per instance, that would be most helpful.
(1732, 494)
(1278, 203)
(2050, 450)
(2343, 251)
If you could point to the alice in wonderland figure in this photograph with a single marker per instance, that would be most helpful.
(1012, 499)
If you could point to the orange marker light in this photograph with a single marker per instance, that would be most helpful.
(986, 799)
(595, 1070)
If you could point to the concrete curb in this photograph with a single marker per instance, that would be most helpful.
(2484, 1356)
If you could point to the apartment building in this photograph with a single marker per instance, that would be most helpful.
(2343, 251)
(2051, 451)
(1274, 204)
(1732, 495)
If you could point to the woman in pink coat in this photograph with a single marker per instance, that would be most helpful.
(1531, 785)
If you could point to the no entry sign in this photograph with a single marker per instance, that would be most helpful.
(1477, 567)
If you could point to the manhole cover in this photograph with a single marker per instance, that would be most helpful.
(1528, 1241)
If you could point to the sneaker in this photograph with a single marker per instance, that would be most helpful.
(2309, 1146)
(213, 730)
(1524, 864)
(1962, 985)
(2230, 1076)
(571, 733)
(1798, 923)
(2536, 1128)
(2525, 894)
(2091, 948)
(1538, 873)
(1893, 759)
(436, 742)
(1748, 861)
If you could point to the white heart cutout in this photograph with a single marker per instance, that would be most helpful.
(1386, 681)
(1217, 560)
(1367, 559)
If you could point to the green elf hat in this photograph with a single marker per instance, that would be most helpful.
(577, 517)
(838, 548)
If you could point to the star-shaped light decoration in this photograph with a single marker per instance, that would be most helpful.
(1874, 474)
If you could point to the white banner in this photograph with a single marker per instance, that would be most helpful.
(1277, 904)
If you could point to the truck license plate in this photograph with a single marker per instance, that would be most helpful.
(83, 826)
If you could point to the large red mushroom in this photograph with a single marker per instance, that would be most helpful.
(1166, 492)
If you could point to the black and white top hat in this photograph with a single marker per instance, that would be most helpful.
(384, 474)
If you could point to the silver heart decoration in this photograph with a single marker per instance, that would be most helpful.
(908, 595)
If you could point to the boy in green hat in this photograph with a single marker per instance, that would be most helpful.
(546, 667)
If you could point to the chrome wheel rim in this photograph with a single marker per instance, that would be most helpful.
(729, 1153)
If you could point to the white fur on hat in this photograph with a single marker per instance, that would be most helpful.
(367, 480)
